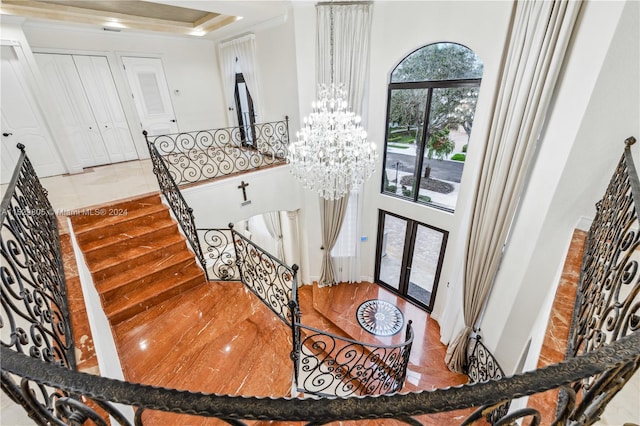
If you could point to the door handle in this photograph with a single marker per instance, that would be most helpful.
(173, 121)
(7, 134)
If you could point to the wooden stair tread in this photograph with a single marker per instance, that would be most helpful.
(151, 270)
(128, 254)
(134, 232)
(86, 223)
(127, 204)
(123, 308)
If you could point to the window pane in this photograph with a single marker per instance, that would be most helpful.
(424, 263)
(392, 249)
(440, 61)
(450, 123)
(406, 121)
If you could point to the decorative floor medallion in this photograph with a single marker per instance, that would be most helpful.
(379, 317)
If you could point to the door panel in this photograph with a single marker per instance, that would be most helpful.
(151, 94)
(392, 250)
(425, 263)
(97, 80)
(22, 122)
(63, 81)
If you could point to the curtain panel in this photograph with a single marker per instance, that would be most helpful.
(343, 34)
(239, 55)
(540, 33)
(274, 227)
(350, 43)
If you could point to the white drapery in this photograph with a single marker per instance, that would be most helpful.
(540, 34)
(346, 250)
(274, 226)
(343, 45)
(350, 38)
(243, 51)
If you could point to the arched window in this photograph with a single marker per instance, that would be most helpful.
(431, 103)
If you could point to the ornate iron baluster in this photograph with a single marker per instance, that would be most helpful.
(220, 255)
(206, 154)
(35, 314)
(335, 365)
(180, 208)
(266, 276)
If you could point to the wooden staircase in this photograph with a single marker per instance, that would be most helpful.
(136, 255)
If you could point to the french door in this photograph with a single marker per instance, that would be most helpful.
(409, 257)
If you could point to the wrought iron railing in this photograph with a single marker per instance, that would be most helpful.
(274, 282)
(481, 367)
(46, 386)
(607, 305)
(219, 254)
(35, 315)
(180, 208)
(206, 154)
(334, 365)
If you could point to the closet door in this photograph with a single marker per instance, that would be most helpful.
(22, 123)
(101, 92)
(63, 81)
(151, 94)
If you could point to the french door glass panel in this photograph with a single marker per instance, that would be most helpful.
(392, 250)
(404, 137)
(425, 263)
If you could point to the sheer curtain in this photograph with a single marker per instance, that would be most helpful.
(350, 42)
(346, 251)
(541, 31)
(343, 45)
(227, 56)
(241, 52)
(274, 226)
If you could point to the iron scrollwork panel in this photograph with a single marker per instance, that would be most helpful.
(608, 300)
(334, 365)
(267, 277)
(482, 366)
(197, 156)
(180, 208)
(219, 253)
(35, 315)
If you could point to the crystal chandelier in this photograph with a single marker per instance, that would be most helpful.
(331, 154)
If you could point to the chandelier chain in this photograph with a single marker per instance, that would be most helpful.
(331, 43)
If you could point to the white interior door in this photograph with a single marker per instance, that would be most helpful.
(63, 81)
(101, 92)
(151, 94)
(23, 123)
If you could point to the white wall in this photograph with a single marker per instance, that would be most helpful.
(596, 107)
(219, 203)
(275, 55)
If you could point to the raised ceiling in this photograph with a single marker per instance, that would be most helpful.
(123, 14)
